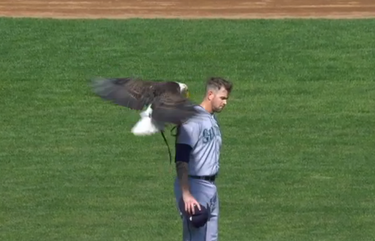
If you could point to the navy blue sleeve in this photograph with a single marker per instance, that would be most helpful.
(182, 152)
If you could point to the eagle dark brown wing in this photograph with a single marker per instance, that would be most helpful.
(129, 92)
(172, 108)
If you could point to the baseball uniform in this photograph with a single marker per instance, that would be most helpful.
(198, 143)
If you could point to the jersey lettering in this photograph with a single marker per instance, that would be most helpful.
(209, 134)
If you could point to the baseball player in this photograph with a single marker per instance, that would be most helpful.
(198, 144)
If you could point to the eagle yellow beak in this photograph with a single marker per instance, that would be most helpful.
(187, 94)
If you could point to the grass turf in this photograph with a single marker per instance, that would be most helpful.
(297, 160)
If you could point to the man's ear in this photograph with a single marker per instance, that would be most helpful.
(210, 95)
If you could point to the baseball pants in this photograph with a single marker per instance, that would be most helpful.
(205, 193)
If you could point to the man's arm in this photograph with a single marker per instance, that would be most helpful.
(182, 167)
(182, 170)
(184, 145)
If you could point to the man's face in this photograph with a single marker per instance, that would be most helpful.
(219, 99)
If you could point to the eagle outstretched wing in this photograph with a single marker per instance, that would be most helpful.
(167, 103)
(129, 92)
(172, 108)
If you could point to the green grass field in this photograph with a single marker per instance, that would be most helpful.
(298, 156)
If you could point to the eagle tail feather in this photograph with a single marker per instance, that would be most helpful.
(146, 125)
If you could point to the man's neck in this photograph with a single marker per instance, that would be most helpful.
(207, 106)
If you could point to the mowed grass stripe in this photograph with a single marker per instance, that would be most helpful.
(297, 160)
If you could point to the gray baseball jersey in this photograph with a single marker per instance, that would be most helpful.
(202, 133)
(202, 137)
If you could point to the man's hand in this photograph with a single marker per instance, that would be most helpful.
(190, 202)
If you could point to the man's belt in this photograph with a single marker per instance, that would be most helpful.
(207, 178)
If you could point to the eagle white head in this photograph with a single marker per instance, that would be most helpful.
(184, 89)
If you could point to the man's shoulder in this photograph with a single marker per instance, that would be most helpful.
(194, 121)
(190, 123)
(197, 120)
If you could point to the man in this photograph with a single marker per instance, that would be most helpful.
(198, 144)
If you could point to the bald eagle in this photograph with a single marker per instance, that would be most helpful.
(166, 102)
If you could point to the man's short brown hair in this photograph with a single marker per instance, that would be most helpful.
(218, 82)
